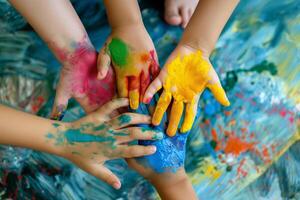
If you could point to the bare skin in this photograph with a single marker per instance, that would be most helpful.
(179, 12)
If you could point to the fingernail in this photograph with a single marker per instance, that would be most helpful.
(153, 149)
(158, 136)
(117, 185)
(147, 100)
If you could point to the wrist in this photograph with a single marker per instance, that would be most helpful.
(136, 27)
(69, 49)
(197, 44)
(165, 180)
(55, 138)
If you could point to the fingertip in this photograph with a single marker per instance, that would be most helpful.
(116, 185)
(184, 129)
(152, 149)
(171, 131)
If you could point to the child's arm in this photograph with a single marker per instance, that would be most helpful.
(169, 185)
(129, 49)
(188, 70)
(60, 27)
(207, 23)
(56, 22)
(88, 142)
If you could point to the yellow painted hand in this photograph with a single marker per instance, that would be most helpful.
(183, 79)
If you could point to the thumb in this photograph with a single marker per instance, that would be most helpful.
(103, 63)
(219, 93)
(60, 104)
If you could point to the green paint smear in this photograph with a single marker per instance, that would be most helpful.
(232, 77)
(56, 125)
(158, 135)
(74, 135)
(124, 119)
(100, 128)
(119, 52)
(120, 134)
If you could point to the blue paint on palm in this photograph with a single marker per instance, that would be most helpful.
(170, 154)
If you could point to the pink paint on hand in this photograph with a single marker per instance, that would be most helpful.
(84, 77)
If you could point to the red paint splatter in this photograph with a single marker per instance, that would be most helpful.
(236, 146)
(240, 170)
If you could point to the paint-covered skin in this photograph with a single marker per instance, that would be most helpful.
(185, 76)
(78, 79)
(96, 138)
(170, 154)
(134, 68)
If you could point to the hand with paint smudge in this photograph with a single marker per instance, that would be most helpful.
(132, 55)
(186, 74)
(78, 79)
(96, 138)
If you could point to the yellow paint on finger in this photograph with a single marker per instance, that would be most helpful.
(134, 99)
(219, 94)
(190, 114)
(161, 107)
(176, 112)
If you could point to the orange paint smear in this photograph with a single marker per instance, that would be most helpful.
(236, 146)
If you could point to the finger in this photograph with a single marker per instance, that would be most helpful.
(190, 114)
(134, 95)
(185, 16)
(128, 119)
(145, 81)
(122, 85)
(176, 112)
(112, 105)
(219, 93)
(60, 103)
(137, 151)
(104, 174)
(154, 67)
(137, 133)
(152, 89)
(103, 63)
(161, 107)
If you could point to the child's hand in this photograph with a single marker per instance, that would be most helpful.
(186, 74)
(96, 138)
(78, 79)
(131, 52)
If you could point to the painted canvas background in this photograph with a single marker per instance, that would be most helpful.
(247, 151)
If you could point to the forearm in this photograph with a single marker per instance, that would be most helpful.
(25, 130)
(174, 186)
(207, 23)
(123, 13)
(55, 21)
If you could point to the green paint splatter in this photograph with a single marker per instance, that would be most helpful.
(56, 125)
(100, 128)
(213, 144)
(232, 77)
(119, 52)
(120, 134)
(124, 119)
(158, 136)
